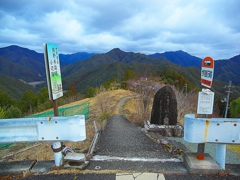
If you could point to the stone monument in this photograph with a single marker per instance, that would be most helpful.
(164, 109)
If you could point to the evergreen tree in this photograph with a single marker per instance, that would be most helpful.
(90, 92)
(2, 113)
(13, 112)
(42, 95)
(5, 100)
(72, 91)
(235, 108)
(128, 74)
(28, 102)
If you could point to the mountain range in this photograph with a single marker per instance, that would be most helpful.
(89, 69)
(180, 57)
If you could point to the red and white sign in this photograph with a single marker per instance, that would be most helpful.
(207, 72)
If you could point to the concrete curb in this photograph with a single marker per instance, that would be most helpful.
(19, 167)
(16, 167)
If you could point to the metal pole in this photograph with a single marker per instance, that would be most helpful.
(55, 107)
(185, 86)
(221, 148)
(57, 146)
(201, 146)
(228, 95)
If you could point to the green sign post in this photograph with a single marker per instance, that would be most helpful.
(53, 73)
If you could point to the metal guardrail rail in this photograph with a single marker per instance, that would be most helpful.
(44, 129)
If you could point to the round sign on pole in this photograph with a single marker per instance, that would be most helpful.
(207, 72)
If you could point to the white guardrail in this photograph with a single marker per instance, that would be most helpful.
(220, 131)
(44, 129)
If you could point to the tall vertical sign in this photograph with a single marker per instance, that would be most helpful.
(206, 97)
(53, 72)
(207, 72)
(54, 81)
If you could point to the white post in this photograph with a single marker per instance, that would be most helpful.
(221, 155)
(57, 149)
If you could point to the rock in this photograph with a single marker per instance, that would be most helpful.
(144, 130)
(177, 152)
(152, 135)
(178, 131)
(163, 141)
(168, 132)
(164, 109)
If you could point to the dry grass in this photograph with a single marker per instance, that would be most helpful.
(44, 151)
(77, 171)
(133, 111)
(234, 148)
(186, 103)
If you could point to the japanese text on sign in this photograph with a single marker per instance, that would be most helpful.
(207, 74)
(53, 71)
(205, 103)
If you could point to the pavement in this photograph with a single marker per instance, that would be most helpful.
(123, 152)
(112, 170)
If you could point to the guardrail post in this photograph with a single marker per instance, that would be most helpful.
(221, 155)
(200, 151)
(201, 146)
(57, 149)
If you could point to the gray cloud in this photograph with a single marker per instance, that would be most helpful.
(201, 28)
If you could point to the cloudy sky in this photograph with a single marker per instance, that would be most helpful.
(199, 27)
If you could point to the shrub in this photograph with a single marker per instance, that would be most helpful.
(13, 112)
(2, 113)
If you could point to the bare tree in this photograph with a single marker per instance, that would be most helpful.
(146, 89)
(102, 102)
(186, 102)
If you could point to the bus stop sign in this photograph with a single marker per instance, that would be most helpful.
(207, 72)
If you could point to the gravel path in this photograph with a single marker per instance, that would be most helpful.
(121, 138)
(118, 108)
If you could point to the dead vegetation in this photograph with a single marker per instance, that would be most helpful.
(138, 109)
(187, 104)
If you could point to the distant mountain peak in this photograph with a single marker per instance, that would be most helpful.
(117, 54)
(18, 49)
(178, 51)
(116, 50)
(15, 47)
(180, 57)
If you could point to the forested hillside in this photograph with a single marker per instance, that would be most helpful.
(28, 65)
